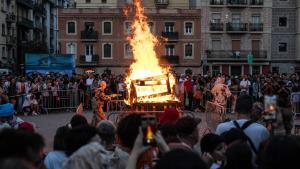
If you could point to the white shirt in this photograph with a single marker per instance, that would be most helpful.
(245, 84)
(89, 81)
(256, 132)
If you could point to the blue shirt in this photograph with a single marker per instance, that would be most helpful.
(55, 160)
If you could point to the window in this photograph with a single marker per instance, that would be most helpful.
(104, 1)
(71, 28)
(71, 48)
(170, 50)
(127, 51)
(89, 26)
(89, 50)
(151, 26)
(188, 28)
(188, 50)
(255, 18)
(169, 27)
(87, 1)
(236, 18)
(216, 18)
(216, 44)
(3, 51)
(282, 47)
(282, 21)
(215, 70)
(107, 51)
(127, 27)
(107, 27)
(3, 29)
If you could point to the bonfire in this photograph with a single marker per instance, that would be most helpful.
(147, 81)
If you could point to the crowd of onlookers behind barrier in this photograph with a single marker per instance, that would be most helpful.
(43, 93)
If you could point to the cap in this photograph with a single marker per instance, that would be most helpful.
(169, 116)
(106, 127)
(26, 126)
(6, 110)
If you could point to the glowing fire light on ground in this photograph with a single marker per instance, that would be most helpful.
(146, 63)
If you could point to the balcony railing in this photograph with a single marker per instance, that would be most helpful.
(11, 17)
(237, 3)
(25, 22)
(25, 3)
(161, 3)
(217, 2)
(236, 27)
(171, 36)
(216, 27)
(89, 35)
(256, 27)
(236, 55)
(169, 59)
(11, 40)
(256, 2)
(89, 60)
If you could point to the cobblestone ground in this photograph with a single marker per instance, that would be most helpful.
(47, 124)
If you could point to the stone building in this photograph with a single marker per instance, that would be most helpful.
(96, 31)
(232, 31)
(285, 36)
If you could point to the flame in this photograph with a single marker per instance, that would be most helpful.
(149, 133)
(146, 63)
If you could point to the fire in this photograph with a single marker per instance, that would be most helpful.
(149, 133)
(146, 64)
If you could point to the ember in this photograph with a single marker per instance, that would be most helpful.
(147, 81)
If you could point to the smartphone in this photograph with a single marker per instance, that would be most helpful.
(270, 104)
(149, 127)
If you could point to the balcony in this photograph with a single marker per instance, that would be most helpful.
(11, 40)
(256, 27)
(169, 59)
(235, 55)
(237, 3)
(217, 2)
(10, 18)
(161, 3)
(88, 60)
(171, 36)
(216, 26)
(27, 23)
(25, 3)
(236, 27)
(256, 2)
(89, 35)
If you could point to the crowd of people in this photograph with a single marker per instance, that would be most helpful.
(241, 143)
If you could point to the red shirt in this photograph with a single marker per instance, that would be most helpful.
(188, 85)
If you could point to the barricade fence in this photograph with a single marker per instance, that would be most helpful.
(51, 100)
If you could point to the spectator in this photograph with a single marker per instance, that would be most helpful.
(181, 159)
(78, 121)
(255, 132)
(188, 133)
(56, 158)
(22, 145)
(281, 152)
(213, 149)
(238, 155)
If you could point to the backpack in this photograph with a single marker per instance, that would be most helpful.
(238, 133)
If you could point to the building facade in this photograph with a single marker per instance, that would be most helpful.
(8, 34)
(97, 36)
(26, 26)
(285, 36)
(236, 36)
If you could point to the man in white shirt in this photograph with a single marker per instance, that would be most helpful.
(257, 133)
(90, 80)
(245, 85)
